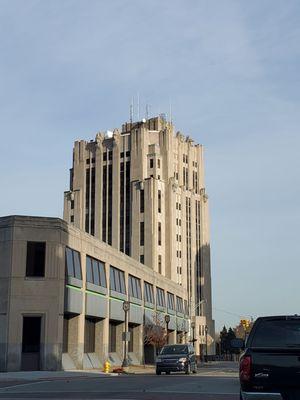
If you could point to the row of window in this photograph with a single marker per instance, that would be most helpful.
(95, 273)
(152, 163)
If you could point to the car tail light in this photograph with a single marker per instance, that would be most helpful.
(245, 369)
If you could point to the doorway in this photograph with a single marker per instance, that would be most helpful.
(31, 343)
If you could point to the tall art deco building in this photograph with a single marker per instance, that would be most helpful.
(141, 190)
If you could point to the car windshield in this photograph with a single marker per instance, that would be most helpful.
(174, 350)
(280, 333)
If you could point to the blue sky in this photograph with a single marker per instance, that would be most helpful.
(231, 71)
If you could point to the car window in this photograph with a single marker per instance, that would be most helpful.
(174, 350)
(280, 333)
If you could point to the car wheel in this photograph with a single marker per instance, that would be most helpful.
(158, 372)
(195, 371)
(188, 369)
(167, 372)
(241, 397)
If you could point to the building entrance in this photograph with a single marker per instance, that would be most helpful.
(31, 343)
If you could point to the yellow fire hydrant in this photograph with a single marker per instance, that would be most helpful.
(106, 368)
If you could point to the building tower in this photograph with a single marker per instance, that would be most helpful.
(141, 190)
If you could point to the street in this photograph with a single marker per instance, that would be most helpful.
(217, 382)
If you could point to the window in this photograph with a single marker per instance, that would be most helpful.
(122, 154)
(186, 308)
(95, 272)
(127, 153)
(148, 293)
(160, 297)
(89, 335)
(159, 233)
(142, 259)
(151, 162)
(159, 201)
(135, 287)
(142, 200)
(142, 235)
(72, 218)
(87, 160)
(159, 264)
(117, 280)
(73, 263)
(105, 156)
(158, 163)
(72, 204)
(171, 304)
(280, 333)
(35, 259)
(112, 337)
(110, 154)
(179, 304)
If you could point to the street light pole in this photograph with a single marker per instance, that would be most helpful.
(206, 331)
(167, 320)
(193, 330)
(126, 307)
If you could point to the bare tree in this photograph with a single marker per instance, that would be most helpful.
(155, 333)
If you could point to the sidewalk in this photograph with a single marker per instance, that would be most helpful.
(206, 369)
(51, 375)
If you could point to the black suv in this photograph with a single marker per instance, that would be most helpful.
(270, 363)
(175, 358)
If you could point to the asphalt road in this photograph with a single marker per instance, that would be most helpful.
(209, 384)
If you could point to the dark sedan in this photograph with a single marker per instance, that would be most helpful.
(176, 358)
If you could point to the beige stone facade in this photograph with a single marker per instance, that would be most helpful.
(67, 305)
(135, 228)
(141, 189)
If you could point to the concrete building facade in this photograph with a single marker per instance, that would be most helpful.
(141, 190)
(135, 228)
(61, 298)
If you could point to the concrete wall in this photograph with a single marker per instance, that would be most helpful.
(53, 297)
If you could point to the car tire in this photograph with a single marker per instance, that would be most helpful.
(167, 372)
(158, 372)
(188, 369)
(195, 371)
(241, 397)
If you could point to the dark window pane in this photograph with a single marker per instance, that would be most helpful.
(89, 335)
(89, 272)
(35, 259)
(112, 337)
(96, 272)
(122, 282)
(130, 286)
(112, 283)
(142, 201)
(102, 274)
(142, 236)
(280, 333)
(69, 259)
(77, 265)
(117, 280)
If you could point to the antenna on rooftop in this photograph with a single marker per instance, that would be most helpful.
(170, 111)
(131, 110)
(147, 111)
(138, 106)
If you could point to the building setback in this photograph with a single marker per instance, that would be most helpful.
(135, 228)
(141, 190)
